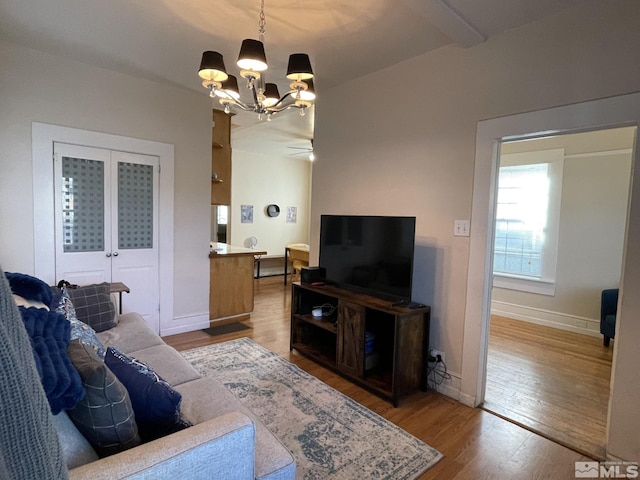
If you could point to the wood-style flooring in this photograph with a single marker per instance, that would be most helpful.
(476, 444)
(551, 381)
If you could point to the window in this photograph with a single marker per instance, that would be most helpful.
(222, 213)
(521, 216)
(527, 219)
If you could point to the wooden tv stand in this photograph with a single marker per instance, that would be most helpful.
(392, 369)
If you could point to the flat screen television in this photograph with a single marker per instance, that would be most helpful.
(369, 254)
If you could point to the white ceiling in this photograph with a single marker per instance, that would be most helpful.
(164, 39)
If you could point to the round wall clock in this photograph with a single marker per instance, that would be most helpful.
(273, 210)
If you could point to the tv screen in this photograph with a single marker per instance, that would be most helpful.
(369, 254)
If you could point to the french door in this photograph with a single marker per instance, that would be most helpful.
(106, 222)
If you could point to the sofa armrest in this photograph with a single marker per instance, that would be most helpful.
(223, 447)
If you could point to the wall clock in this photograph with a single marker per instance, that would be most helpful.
(273, 210)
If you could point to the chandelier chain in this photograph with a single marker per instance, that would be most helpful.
(262, 22)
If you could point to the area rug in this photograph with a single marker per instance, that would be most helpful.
(226, 328)
(331, 436)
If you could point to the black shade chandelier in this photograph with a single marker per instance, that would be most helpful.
(252, 61)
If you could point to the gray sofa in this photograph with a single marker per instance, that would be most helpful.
(226, 440)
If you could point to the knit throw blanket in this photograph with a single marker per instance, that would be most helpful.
(29, 446)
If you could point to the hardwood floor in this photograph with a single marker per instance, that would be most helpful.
(551, 381)
(476, 444)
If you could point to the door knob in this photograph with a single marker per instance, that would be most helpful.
(115, 254)
(108, 254)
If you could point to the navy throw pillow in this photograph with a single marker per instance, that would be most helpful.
(155, 403)
(49, 333)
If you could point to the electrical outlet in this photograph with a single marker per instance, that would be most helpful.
(434, 353)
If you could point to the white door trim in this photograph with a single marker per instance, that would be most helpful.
(43, 137)
(623, 110)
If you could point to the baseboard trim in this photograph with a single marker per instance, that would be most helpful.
(450, 387)
(186, 323)
(467, 400)
(547, 318)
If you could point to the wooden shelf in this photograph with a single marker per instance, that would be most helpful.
(328, 325)
(325, 357)
(221, 158)
(380, 381)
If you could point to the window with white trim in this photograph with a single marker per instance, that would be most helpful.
(527, 221)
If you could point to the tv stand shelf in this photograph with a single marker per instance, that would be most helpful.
(367, 340)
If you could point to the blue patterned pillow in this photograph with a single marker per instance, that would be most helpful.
(79, 330)
(155, 403)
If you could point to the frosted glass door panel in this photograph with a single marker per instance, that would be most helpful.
(82, 205)
(135, 206)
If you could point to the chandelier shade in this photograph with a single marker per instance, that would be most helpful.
(252, 56)
(308, 95)
(212, 67)
(230, 87)
(299, 67)
(271, 95)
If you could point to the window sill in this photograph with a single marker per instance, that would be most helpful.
(540, 287)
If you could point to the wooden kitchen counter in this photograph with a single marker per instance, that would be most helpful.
(230, 280)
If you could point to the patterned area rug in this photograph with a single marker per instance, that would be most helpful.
(330, 435)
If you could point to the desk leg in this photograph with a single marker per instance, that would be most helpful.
(286, 261)
(120, 302)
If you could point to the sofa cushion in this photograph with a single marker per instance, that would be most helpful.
(168, 363)
(155, 403)
(79, 330)
(220, 449)
(131, 334)
(105, 415)
(75, 448)
(94, 307)
(272, 458)
(49, 335)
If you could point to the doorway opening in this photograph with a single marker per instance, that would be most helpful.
(560, 221)
(609, 112)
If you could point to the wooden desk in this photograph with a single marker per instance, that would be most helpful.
(231, 280)
(295, 253)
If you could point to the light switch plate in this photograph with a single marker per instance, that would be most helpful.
(461, 228)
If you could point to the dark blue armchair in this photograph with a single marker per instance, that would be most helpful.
(608, 310)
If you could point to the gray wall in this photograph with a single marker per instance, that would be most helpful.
(412, 152)
(36, 86)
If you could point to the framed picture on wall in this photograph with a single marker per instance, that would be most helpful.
(246, 213)
(292, 214)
